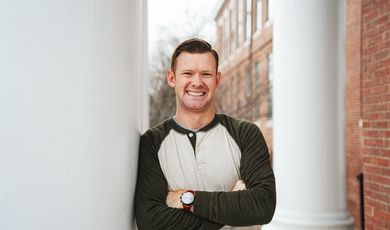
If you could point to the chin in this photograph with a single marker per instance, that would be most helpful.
(197, 108)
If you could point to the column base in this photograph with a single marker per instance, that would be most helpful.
(314, 221)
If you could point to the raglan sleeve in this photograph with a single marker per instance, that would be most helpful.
(256, 204)
(151, 211)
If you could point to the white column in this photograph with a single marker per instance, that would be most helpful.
(70, 112)
(308, 115)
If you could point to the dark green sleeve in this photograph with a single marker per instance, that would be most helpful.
(151, 191)
(256, 204)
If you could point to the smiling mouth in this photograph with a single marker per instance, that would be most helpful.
(196, 93)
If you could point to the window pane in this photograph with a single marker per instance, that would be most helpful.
(257, 73)
(259, 14)
(248, 21)
(237, 85)
(248, 81)
(233, 25)
(269, 85)
(240, 21)
(270, 9)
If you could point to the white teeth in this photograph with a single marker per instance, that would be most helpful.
(192, 93)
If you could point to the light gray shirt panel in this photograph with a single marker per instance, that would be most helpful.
(218, 158)
(214, 166)
(177, 161)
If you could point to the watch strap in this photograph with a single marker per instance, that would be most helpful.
(187, 207)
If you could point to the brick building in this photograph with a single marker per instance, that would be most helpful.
(245, 43)
(367, 110)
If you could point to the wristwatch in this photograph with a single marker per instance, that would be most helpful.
(187, 199)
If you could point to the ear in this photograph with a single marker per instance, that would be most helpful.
(218, 77)
(171, 79)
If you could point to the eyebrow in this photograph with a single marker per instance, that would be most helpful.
(190, 70)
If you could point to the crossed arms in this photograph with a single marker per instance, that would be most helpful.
(211, 210)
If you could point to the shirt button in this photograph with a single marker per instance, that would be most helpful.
(190, 134)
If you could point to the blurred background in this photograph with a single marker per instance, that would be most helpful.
(343, 72)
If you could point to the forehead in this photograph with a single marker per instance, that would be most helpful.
(195, 60)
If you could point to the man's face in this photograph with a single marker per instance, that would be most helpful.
(195, 81)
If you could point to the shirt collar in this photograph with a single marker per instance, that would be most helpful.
(181, 129)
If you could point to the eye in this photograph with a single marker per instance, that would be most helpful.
(187, 74)
(207, 75)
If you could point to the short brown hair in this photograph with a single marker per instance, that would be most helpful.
(193, 45)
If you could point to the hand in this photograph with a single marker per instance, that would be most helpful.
(173, 199)
(240, 185)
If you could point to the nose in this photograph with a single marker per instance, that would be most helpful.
(197, 80)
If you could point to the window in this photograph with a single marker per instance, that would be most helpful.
(233, 25)
(230, 95)
(257, 90)
(248, 22)
(259, 14)
(238, 90)
(221, 38)
(269, 85)
(240, 22)
(226, 45)
(257, 74)
(257, 108)
(270, 9)
(248, 81)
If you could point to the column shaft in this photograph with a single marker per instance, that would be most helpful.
(70, 112)
(308, 118)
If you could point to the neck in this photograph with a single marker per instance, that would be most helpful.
(194, 121)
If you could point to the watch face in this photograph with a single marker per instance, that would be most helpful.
(187, 198)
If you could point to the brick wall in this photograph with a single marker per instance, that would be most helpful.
(375, 71)
(353, 111)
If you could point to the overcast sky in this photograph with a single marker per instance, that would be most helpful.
(175, 17)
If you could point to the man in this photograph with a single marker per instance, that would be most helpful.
(199, 169)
